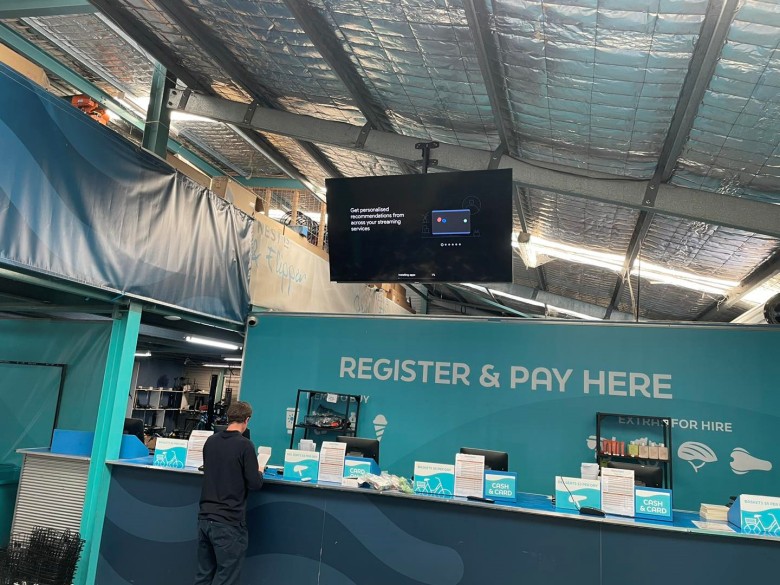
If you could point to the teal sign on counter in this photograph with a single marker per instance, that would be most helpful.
(359, 466)
(653, 503)
(301, 465)
(437, 479)
(756, 514)
(170, 453)
(501, 485)
(573, 493)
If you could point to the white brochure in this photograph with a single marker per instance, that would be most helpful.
(617, 491)
(332, 461)
(195, 447)
(469, 475)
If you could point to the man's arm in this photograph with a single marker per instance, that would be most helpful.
(252, 475)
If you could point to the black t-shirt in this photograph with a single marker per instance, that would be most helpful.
(229, 471)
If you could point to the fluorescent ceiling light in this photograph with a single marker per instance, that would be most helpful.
(540, 247)
(220, 366)
(232, 359)
(534, 303)
(143, 354)
(211, 342)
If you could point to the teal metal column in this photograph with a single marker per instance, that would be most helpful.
(158, 117)
(108, 435)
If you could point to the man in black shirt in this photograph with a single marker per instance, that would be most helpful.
(230, 470)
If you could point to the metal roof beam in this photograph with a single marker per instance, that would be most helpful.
(46, 61)
(768, 269)
(204, 37)
(33, 8)
(324, 39)
(709, 45)
(146, 39)
(487, 55)
(715, 208)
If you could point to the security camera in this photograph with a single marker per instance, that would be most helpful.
(251, 321)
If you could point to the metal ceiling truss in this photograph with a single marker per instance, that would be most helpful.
(324, 39)
(32, 8)
(203, 36)
(150, 43)
(487, 55)
(714, 31)
(47, 62)
(745, 214)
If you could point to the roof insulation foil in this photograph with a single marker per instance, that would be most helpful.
(237, 154)
(705, 249)
(594, 83)
(101, 49)
(185, 49)
(61, 88)
(358, 164)
(418, 61)
(299, 157)
(579, 222)
(733, 147)
(589, 284)
(268, 42)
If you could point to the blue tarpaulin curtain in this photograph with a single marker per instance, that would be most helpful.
(80, 202)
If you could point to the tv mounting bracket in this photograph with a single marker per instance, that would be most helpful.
(426, 148)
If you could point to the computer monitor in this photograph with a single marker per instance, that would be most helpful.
(220, 428)
(134, 426)
(494, 460)
(644, 475)
(357, 447)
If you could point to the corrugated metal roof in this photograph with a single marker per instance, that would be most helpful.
(587, 84)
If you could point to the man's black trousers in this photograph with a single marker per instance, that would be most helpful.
(221, 550)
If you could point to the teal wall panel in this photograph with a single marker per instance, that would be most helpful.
(82, 346)
(718, 384)
(28, 406)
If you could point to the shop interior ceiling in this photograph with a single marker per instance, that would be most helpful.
(684, 92)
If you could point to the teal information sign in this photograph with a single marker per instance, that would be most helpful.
(436, 479)
(572, 493)
(501, 485)
(653, 503)
(301, 465)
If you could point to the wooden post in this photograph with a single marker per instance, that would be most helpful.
(267, 201)
(321, 232)
(294, 208)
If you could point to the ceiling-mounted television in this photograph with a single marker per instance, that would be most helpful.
(435, 227)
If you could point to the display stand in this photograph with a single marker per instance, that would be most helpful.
(660, 424)
(324, 415)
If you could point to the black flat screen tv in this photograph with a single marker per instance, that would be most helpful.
(435, 227)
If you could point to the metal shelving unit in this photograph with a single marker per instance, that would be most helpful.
(324, 415)
(665, 426)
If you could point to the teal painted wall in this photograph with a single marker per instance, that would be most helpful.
(81, 345)
(719, 384)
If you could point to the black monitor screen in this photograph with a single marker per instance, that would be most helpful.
(436, 227)
(644, 475)
(494, 460)
(357, 447)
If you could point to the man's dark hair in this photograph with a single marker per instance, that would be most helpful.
(238, 412)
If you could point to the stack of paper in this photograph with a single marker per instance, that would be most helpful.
(714, 512)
